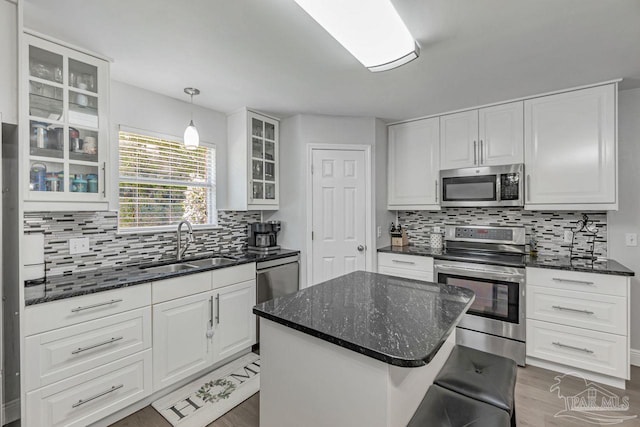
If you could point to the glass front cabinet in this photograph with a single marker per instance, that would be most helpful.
(253, 170)
(263, 158)
(65, 127)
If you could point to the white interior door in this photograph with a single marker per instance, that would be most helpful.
(338, 213)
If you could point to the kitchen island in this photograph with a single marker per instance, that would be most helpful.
(361, 349)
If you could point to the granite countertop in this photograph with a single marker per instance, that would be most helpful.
(108, 278)
(604, 266)
(399, 321)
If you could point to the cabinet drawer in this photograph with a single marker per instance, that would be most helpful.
(58, 314)
(86, 398)
(62, 353)
(597, 312)
(408, 274)
(580, 348)
(406, 262)
(182, 286)
(574, 280)
(230, 275)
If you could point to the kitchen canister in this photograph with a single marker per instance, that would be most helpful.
(436, 240)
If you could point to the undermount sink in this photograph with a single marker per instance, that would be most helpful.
(212, 262)
(171, 268)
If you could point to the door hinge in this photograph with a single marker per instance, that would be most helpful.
(312, 235)
(311, 169)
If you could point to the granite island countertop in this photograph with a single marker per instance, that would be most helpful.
(108, 278)
(399, 321)
(603, 266)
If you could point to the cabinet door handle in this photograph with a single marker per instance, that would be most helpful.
(217, 309)
(87, 307)
(528, 188)
(104, 179)
(559, 307)
(90, 347)
(475, 153)
(437, 191)
(211, 311)
(584, 350)
(481, 155)
(577, 282)
(94, 397)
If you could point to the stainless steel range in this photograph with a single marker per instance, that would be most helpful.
(490, 261)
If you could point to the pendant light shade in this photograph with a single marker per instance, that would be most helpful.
(191, 135)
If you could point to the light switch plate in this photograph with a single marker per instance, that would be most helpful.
(631, 239)
(379, 231)
(79, 245)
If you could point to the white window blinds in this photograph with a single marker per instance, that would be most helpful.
(162, 183)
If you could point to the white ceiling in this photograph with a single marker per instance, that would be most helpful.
(270, 55)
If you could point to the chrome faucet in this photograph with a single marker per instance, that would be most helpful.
(179, 250)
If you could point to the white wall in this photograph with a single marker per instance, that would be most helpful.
(627, 218)
(9, 61)
(138, 108)
(296, 133)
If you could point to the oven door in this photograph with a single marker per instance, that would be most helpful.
(499, 305)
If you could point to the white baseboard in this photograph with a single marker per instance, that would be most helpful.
(634, 357)
(11, 411)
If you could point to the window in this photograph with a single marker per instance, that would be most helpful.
(162, 183)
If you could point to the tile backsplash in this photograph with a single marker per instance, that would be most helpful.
(108, 248)
(547, 227)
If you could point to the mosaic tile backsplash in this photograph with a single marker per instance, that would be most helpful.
(108, 248)
(547, 227)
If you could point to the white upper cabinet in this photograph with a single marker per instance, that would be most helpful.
(501, 134)
(459, 140)
(414, 165)
(253, 166)
(570, 150)
(64, 117)
(486, 137)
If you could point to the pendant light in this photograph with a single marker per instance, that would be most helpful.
(191, 136)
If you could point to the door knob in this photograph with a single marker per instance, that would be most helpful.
(360, 248)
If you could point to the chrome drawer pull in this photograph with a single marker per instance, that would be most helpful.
(397, 261)
(81, 349)
(83, 401)
(577, 282)
(559, 307)
(585, 350)
(87, 307)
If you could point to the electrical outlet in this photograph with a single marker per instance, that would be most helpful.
(379, 231)
(436, 228)
(568, 236)
(79, 245)
(631, 239)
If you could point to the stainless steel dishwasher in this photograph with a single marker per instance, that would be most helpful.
(276, 278)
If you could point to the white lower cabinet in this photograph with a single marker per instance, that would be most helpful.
(61, 353)
(408, 266)
(181, 346)
(235, 330)
(90, 356)
(84, 399)
(578, 320)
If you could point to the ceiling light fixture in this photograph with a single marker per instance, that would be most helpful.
(191, 136)
(371, 30)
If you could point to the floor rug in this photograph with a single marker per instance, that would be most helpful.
(208, 398)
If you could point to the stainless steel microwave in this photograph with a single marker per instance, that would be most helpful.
(482, 186)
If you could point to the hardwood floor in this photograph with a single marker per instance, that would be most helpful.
(535, 404)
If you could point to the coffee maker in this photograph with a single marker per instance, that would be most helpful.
(263, 237)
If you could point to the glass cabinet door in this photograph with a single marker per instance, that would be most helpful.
(263, 160)
(65, 136)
